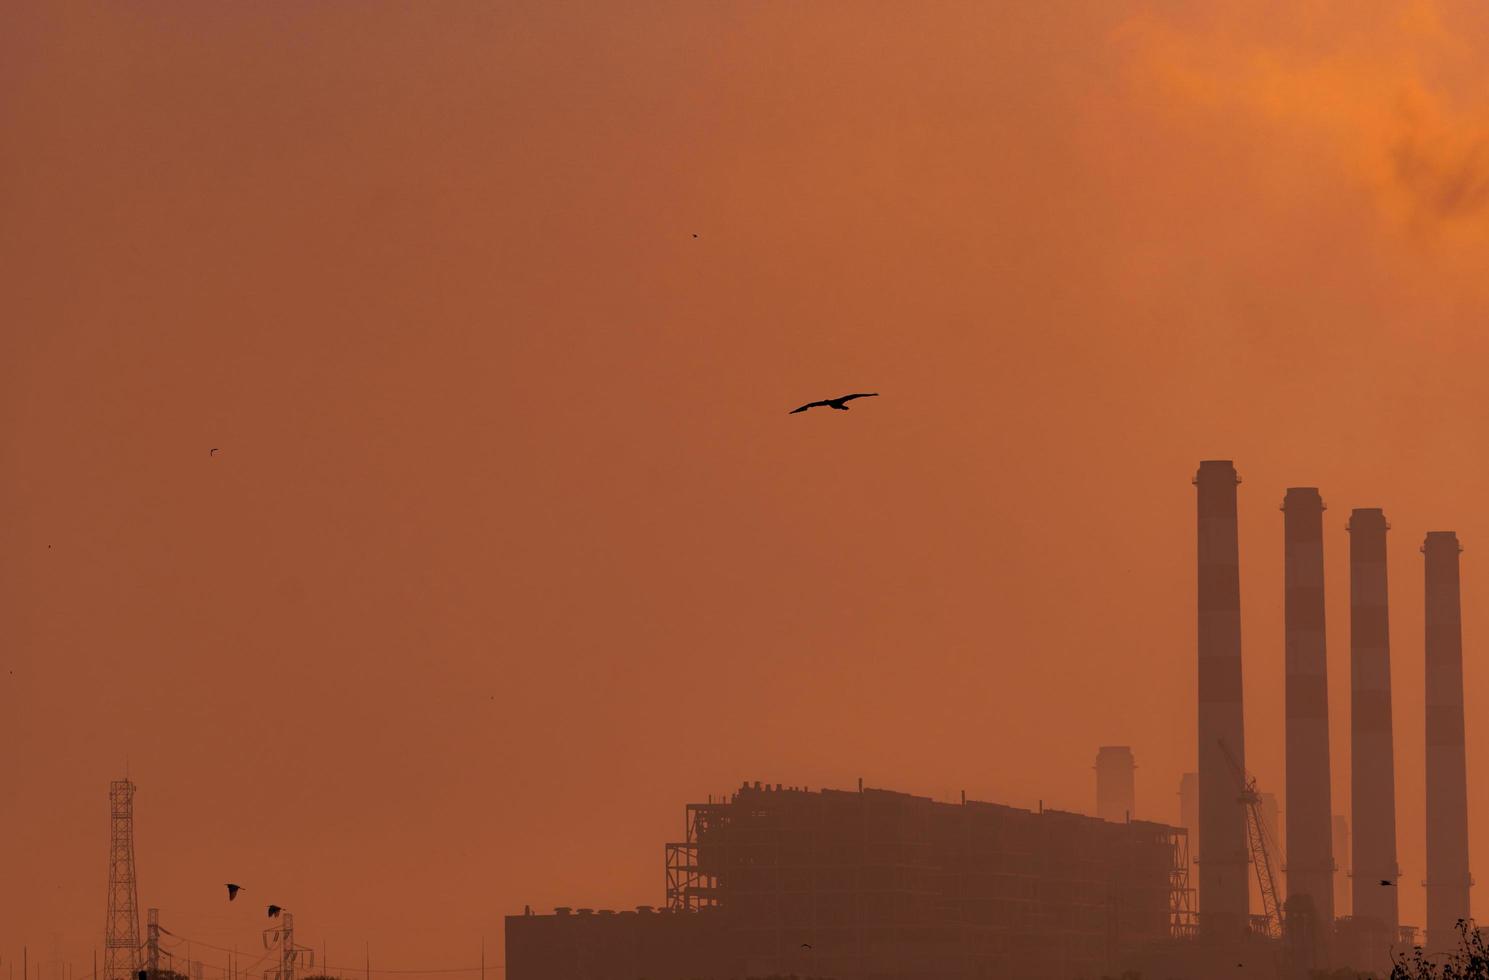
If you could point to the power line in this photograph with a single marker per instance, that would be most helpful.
(348, 969)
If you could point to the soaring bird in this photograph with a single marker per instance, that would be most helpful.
(233, 890)
(212, 452)
(836, 403)
(1386, 883)
(273, 911)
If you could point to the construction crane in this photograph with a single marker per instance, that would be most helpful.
(1262, 847)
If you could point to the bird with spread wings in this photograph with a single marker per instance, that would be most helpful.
(836, 403)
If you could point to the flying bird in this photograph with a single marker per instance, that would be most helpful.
(836, 403)
(1386, 883)
(273, 911)
(212, 452)
(232, 891)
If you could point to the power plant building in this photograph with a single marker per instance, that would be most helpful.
(878, 884)
(889, 886)
(1189, 819)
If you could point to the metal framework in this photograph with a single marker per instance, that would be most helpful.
(121, 943)
(1182, 921)
(689, 886)
(860, 876)
(1261, 847)
(282, 936)
(152, 942)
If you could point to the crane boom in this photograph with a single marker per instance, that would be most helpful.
(1259, 842)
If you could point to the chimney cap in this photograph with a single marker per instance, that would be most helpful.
(1216, 469)
(1303, 497)
(1441, 539)
(1368, 517)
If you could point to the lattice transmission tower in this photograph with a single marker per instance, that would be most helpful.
(121, 942)
(282, 938)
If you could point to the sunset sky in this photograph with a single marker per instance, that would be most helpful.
(511, 548)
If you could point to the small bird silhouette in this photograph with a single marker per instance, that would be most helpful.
(695, 234)
(212, 452)
(1385, 882)
(273, 911)
(233, 890)
(836, 403)
(806, 945)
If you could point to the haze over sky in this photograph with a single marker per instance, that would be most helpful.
(511, 548)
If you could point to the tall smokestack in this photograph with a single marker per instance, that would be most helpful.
(1447, 780)
(1372, 758)
(1310, 813)
(1114, 783)
(1223, 896)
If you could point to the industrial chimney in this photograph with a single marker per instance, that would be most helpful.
(1222, 854)
(1372, 757)
(1447, 780)
(1310, 813)
(1114, 789)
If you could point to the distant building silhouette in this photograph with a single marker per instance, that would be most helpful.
(874, 883)
(1189, 820)
(1271, 814)
(1115, 791)
(1341, 864)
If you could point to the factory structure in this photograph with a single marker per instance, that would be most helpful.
(868, 882)
(1306, 911)
(860, 883)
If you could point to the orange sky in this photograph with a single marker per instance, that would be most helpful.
(511, 548)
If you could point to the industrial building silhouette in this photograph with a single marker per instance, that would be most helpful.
(879, 884)
(870, 882)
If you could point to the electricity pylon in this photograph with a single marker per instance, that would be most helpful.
(121, 942)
